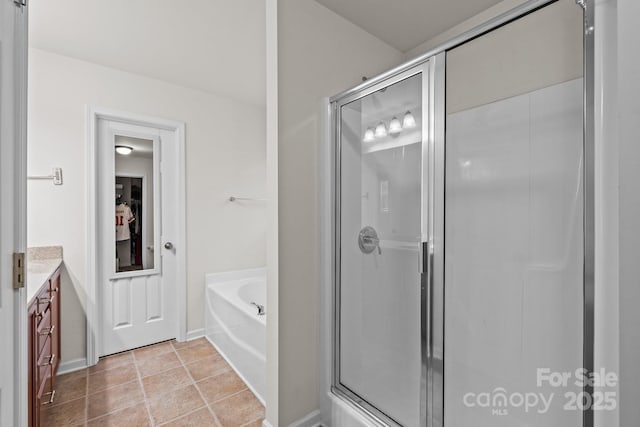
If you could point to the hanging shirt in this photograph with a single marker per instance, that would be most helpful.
(124, 216)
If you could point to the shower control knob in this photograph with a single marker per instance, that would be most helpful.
(168, 245)
(368, 240)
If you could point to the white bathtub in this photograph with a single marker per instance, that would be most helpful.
(233, 325)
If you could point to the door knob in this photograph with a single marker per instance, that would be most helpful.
(168, 245)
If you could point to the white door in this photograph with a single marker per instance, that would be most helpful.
(13, 316)
(137, 291)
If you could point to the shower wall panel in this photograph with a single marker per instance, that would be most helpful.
(514, 257)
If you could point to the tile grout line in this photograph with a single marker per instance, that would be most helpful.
(130, 405)
(251, 422)
(231, 395)
(185, 344)
(246, 388)
(138, 379)
(164, 369)
(144, 393)
(182, 416)
(206, 402)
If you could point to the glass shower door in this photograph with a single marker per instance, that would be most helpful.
(378, 301)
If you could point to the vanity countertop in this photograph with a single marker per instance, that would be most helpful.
(42, 262)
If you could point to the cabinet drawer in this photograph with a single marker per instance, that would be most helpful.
(43, 334)
(44, 374)
(44, 399)
(42, 304)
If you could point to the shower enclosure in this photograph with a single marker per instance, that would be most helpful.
(462, 273)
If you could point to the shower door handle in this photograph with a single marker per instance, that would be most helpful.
(423, 263)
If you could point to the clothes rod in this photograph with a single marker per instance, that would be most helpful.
(233, 199)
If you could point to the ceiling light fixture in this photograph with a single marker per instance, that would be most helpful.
(123, 149)
(381, 130)
(409, 121)
(395, 127)
(368, 135)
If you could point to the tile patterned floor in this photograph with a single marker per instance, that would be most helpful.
(166, 384)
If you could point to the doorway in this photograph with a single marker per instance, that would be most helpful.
(137, 167)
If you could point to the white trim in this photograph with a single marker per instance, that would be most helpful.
(93, 114)
(91, 234)
(312, 419)
(325, 210)
(195, 334)
(72, 366)
(607, 202)
(272, 347)
(266, 423)
(181, 238)
(19, 193)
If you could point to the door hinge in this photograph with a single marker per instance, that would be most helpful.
(582, 4)
(18, 270)
(21, 3)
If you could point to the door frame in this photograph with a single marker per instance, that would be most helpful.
(426, 71)
(13, 217)
(93, 114)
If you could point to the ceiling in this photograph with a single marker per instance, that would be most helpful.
(141, 147)
(215, 46)
(406, 24)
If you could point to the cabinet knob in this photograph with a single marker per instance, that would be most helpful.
(48, 331)
(52, 359)
(52, 395)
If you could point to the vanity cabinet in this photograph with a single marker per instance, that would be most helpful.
(44, 348)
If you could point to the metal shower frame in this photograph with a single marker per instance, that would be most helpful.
(432, 67)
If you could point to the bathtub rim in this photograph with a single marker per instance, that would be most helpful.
(227, 289)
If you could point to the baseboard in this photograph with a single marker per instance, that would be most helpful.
(195, 334)
(72, 366)
(312, 419)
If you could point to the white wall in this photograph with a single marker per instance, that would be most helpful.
(607, 271)
(629, 161)
(319, 54)
(546, 58)
(469, 24)
(225, 144)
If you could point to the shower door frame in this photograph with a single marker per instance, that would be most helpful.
(432, 304)
(426, 70)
